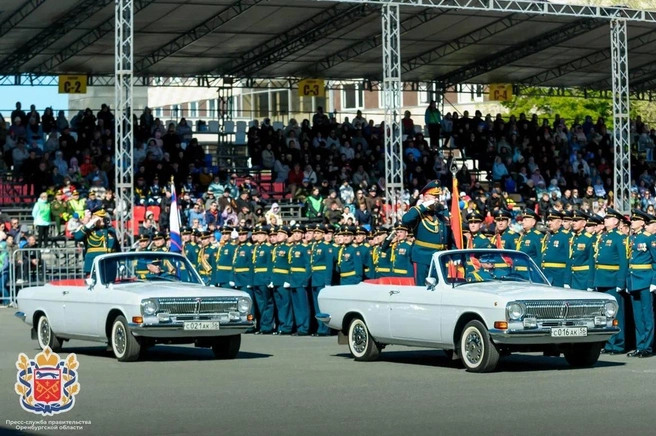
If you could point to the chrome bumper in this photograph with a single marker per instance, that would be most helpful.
(176, 330)
(20, 315)
(543, 336)
(323, 317)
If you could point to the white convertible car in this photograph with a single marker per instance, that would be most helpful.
(476, 305)
(135, 300)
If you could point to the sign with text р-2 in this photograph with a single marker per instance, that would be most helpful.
(501, 92)
(311, 88)
(72, 84)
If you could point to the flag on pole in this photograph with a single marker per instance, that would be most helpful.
(456, 217)
(174, 222)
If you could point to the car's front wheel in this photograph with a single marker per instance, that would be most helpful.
(45, 336)
(361, 344)
(125, 346)
(226, 347)
(477, 351)
(583, 355)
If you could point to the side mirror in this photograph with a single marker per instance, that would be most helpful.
(431, 282)
(91, 282)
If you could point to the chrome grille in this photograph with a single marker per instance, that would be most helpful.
(198, 306)
(569, 309)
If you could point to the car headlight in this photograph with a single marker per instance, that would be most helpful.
(515, 311)
(149, 307)
(244, 305)
(611, 309)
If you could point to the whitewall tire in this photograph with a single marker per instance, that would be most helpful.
(45, 336)
(477, 351)
(125, 346)
(362, 346)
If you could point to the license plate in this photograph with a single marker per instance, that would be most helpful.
(567, 332)
(202, 325)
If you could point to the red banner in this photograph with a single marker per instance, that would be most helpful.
(456, 216)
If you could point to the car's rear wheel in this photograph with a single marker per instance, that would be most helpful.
(125, 346)
(45, 336)
(477, 351)
(583, 355)
(226, 347)
(361, 344)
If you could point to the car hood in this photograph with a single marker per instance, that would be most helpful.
(169, 290)
(527, 291)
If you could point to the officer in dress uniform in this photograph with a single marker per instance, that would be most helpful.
(641, 281)
(322, 260)
(431, 231)
(223, 273)
(349, 261)
(568, 216)
(242, 263)
(555, 249)
(159, 246)
(504, 237)
(143, 242)
(141, 264)
(263, 296)
(189, 247)
(580, 262)
(206, 258)
(477, 239)
(364, 248)
(401, 254)
(530, 242)
(280, 282)
(98, 238)
(383, 257)
(611, 267)
(300, 271)
(481, 269)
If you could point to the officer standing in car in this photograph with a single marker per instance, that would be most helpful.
(580, 262)
(98, 237)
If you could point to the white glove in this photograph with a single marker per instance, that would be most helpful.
(286, 285)
(270, 285)
(618, 289)
(232, 284)
(590, 290)
(652, 288)
(567, 286)
(92, 222)
(248, 286)
(428, 204)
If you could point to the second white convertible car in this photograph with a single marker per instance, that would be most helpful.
(477, 305)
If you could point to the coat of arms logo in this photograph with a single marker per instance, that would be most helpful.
(47, 385)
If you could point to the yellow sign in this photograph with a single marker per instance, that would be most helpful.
(72, 84)
(501, 92)
(311, 88)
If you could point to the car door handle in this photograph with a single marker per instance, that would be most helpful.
(394, 292)
(64, 292)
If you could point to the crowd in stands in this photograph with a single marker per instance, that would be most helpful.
(334, 171)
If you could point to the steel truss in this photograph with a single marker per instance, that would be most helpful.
(534, 7)
(14, 19)
(224, 111)
(621, 108)
(392, 105)
(124, 177)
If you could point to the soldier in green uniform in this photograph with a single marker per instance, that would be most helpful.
(189, 247)
(431, 231)
(262, 261)
(349, 261)
(568, 216)
(143, 243)
(580, 262)
(477, 239)
(481, 269)
(300, 271)
(364, 248)
(555, 249)
(375, 243)
(611, 267)
(384, 254)
(98, 238)
(530, 242)
(401, 251)
(322, 260)
(504, 237)
(223, 273)
(642, 281)
(280, 281)
(242, 263)
(141, 264)
(206, 258)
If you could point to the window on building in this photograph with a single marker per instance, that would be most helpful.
(427, 94)
(470, 94)
(158, 112)
(352, 97)
(211, 109)
(193, 109)
(176, 112)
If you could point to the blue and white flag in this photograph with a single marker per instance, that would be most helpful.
(174, 222)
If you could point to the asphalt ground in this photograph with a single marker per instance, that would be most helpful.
(310, 386)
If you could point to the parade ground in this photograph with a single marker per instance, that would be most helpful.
(311, 386)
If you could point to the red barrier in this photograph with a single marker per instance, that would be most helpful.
(69, 282)
(395, 281)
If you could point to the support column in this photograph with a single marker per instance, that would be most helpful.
(621, 121)
(124, 177)
(392, 105)
(225, 148)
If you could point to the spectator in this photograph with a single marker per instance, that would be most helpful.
(273, 215)
(41, 215)
(362, 215)
(433, 120)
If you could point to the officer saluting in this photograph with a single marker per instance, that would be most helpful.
(555, 249)
(579, 273)
(642, 281)
(98, 237)
(430, 229)
(611, 266)
(476, 240)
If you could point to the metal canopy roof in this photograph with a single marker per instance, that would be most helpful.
(329, 39)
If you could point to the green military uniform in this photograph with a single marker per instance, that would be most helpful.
(530, 243)
(555, 252)
(190, 249)
(97, 241)
(223, 273)
(262, 288)
(477, 239)
(243, 265)
(580, 262)
(349, 262)
(300, 271)
(322, 259)
(280, 277)
(206, 258)
(366, 255)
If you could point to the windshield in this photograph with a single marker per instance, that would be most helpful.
(478, 266)
(146, 266)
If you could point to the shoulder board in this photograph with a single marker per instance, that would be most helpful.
(647, 233)
(512, 232)
(588, 234)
